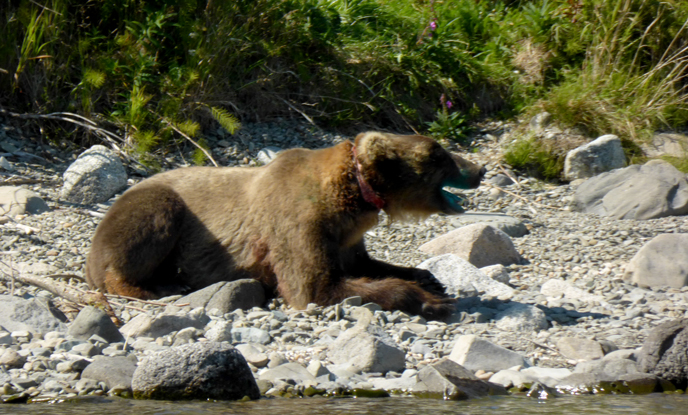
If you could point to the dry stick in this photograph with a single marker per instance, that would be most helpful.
(63, 290)
(192, 141)
(522, 198)
(310, 120)
(506, 172)
(124, 297)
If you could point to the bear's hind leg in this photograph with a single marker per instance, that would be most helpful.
(133, 249)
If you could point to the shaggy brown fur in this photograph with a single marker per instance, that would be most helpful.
(296, 224)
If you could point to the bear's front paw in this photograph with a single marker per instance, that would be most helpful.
(429, 283)
(438, 308)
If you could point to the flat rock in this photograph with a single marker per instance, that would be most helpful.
(479, 243)
(227, 296)
(508, 224)
(598, 156)
(204, 370)
(162, 324)
(559, 288)
(577, 348)
(288, 371)
(18, 201)
(475, 353)
(665, 352)
(462, 279)
(36, 315)
(497, 272)
(94, 177)
(449, 380)
(114, 371)
(92, 320)
(660, 262)
(653, 190)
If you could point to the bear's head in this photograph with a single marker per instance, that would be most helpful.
(410, 173)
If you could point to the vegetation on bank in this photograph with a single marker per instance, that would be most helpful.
(157, 70)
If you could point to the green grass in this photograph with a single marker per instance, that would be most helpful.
(147, 66)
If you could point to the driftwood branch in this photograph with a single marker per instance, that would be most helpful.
(528, 202)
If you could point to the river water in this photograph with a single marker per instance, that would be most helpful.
(512, 405)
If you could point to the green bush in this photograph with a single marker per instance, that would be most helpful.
(153, 68)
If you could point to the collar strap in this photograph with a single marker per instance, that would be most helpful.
(366, 191)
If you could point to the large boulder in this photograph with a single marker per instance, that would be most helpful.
(18, 201)
(653, 190)
(35, 315)
(598, 156)
(665, 352)
(480, 244)
(662, 261)
(94, 177)
(203, 370)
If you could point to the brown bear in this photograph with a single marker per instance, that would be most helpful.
(295, 224)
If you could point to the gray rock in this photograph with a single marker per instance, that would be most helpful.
(116, 372)
(666, 144)
(540, 121)
(662, 261)
(474, 354)
(267, 154)
(288, 371)
(92, 320)
(18, 201)
(607, 369)
(203, 370)
(577, 348)
(665, 352)
(5, 164)
(653, 190)
(227, 296)
(461, 278)
(513, 378)
(508, 224)
(450, 380)
(367, 347)
(162, 324)
(600, 155)
(521, 317)
(501, 180)
(220, 331)
(11, 359)
(37, 315)
(497, 272)
(480, 244)
(94, 177)
(250, 335)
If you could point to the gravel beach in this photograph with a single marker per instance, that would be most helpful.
(587, 251)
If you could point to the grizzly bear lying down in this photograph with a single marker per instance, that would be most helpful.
(296, 224)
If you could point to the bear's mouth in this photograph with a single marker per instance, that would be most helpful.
(454, 203)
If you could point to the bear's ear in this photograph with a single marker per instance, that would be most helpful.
(373, 145)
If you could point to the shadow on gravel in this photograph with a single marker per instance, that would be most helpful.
(478, 310)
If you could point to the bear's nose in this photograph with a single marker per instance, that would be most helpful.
(482, 172)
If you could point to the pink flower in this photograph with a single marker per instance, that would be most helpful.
(449, 104)
(433, 25)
